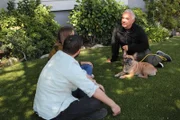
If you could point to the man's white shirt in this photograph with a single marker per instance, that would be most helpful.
(60, 76)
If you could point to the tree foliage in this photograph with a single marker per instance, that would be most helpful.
(95, 19)
(166, 12)
(29, 29)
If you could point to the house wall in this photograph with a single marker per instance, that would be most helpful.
(136, 3)
(3, 4)
(62, 8)
(62, 17)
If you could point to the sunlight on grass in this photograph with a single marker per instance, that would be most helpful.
(178, 69)
(17, 66)
(32, 89)
(177, 102)
(103, 60)
(2, 98)
(84, 52)
(125, 78)
(125, 91)
(28, 113)
(10, 76)
(155, 98)
(15, 118)
(2, 110)
(24, 99)
(32, 65)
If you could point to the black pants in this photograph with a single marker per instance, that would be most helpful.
(152, 58)
(78, 109)
(149, 57)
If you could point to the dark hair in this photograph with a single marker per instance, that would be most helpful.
(72, 44)
(63, 30)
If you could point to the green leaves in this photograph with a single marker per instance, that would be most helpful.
(157, 33)
(30, 28)
(96, 18)
(167, 13)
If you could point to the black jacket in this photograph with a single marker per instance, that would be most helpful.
(135, 38)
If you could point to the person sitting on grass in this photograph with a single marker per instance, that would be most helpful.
(64, 92)
(133, 39)
(63, 33)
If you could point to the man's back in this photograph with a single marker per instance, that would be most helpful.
(58, 79)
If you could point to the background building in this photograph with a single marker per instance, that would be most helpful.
(61, 8)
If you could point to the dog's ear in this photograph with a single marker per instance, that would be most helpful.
(135, 56)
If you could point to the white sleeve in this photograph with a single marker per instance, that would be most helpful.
(78, 77)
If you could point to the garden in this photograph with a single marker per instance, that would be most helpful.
(30, 32)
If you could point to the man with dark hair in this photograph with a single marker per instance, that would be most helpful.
(64, 92)
(133, 39)
(63, 33)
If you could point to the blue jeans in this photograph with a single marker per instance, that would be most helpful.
(88, 68)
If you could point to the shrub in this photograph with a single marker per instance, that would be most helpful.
(166, 12)
(30, 28)
(95, 19)
(141, 17)
(157, 33)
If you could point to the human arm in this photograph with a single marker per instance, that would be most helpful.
(125, 47)
(100, 95)
(139, 42)
(77, 77)
(115, 45)
(94, 81)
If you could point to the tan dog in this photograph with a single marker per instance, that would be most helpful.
(132, 67)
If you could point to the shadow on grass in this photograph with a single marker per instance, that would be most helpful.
(17, 91)
(155, 98)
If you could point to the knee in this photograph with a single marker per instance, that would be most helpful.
(86, 66)
(95, 103)
(89, 67)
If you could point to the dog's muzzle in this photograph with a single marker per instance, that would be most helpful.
(128, 61)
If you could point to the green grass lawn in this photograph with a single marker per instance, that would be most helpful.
(155, 98)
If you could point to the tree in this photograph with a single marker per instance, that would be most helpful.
(165, 12)
(29, 29)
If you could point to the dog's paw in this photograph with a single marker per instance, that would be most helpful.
(122, 77)
(117, 75)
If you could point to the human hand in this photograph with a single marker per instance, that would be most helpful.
(125, 47)
(108, 60)
(101, 87)
(116, 109)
